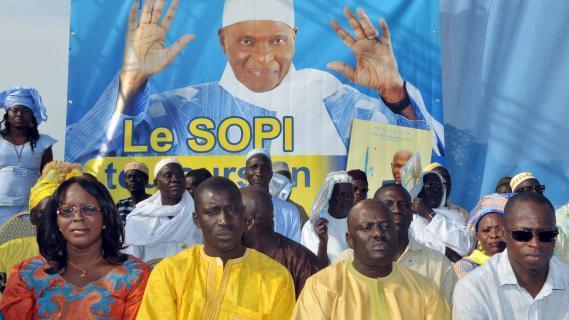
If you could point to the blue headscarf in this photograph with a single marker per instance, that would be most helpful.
(491, 203)
(25, 96)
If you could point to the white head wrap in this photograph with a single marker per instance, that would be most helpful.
(249, 10)
(321, 203)
(162, 163)
(443, 202)
(257, 151)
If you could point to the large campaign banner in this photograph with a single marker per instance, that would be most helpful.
(209, 80)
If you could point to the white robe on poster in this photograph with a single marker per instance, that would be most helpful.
(311, 97)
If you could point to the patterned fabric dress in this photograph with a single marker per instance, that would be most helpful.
(18, 226)
(31, 293)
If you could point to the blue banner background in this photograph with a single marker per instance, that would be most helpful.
(98, 28)
(505, 71)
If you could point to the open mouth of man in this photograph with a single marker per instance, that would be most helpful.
(263, 72)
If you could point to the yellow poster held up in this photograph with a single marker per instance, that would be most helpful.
(376, 149)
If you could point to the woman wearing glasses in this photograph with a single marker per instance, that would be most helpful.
(81, 274)
(484, 223)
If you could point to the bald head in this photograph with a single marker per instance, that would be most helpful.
(215, 185)
(367, 207)
(400, 158)
(523, 199)
(258, 202)
(259, 218)
(392, 186)
(403, 154)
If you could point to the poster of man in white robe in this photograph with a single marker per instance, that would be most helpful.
(292, 76)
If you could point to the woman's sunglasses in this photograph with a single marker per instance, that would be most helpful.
(543, 236)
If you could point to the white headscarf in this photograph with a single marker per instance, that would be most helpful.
(320, 205)
(441, 179)
(148, 225)
(446, 229)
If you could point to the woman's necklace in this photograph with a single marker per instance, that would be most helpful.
(84, 269)
(19, 154)
(15, 145)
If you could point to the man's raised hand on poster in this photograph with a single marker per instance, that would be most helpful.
(376, 67)
(145, 53)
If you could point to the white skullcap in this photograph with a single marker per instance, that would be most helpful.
(249, 10)
(519, 178)
(340, 177)
(162, 163)
(257, 151)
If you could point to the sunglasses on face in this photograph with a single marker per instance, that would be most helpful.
(434, 186)
(543, 236)
(539, 189)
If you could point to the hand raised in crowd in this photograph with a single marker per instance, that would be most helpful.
(376, 65)
(145, 53)
(321, 229)
(419, 207)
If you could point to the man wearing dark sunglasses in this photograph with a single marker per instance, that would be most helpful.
(525, 281)
(526, 182)
(361, 187)
(437, 226)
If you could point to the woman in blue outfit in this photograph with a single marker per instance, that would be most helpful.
(23, 150)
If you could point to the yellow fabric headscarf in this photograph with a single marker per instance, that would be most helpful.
(478, 257)
(431, 166)
(53, 174)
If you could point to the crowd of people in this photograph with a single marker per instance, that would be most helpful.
(201, 247)
(196, 246)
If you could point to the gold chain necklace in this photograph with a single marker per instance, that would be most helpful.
(84, 269)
